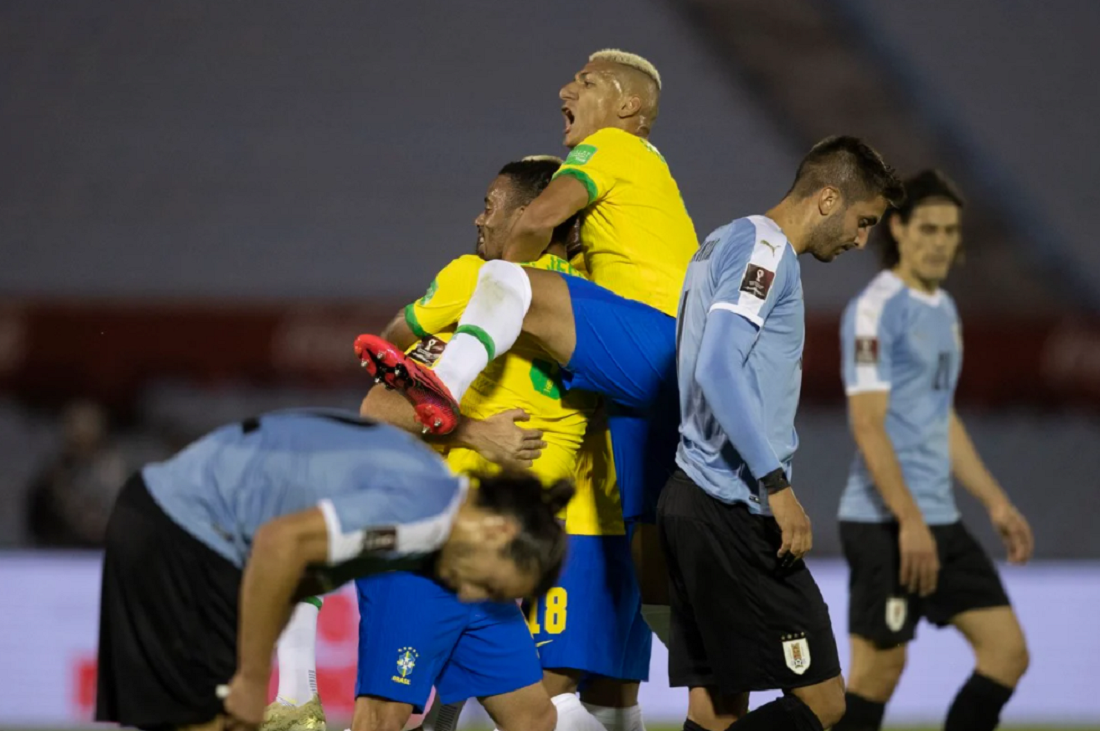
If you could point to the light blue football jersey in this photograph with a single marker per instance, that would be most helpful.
(747, 267)
(897, 339)
(384, 494)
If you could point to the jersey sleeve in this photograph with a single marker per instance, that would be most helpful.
(597, 162)
(749, 274)
(444, 302)
(392, 523)
(871, 325)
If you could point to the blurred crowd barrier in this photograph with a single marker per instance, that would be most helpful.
(164, 374)
(109, 351)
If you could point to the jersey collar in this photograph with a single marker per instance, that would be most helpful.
(933, 300)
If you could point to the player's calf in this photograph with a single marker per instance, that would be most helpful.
(526, 709)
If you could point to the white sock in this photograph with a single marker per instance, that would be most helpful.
(617, 719)
(489, 327)
(573, 716)
(659, 618)
(442, 716)
(297, 650)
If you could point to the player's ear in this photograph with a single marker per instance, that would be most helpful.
(630, 105)
(828, 200)
(896, 227)
(497, 531)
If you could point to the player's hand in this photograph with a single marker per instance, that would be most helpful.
(920, 564)
(501, 440)
(1014, 530)
(797, 536)
(244, 703)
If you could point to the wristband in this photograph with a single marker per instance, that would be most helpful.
(775, 481)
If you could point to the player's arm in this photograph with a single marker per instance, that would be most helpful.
(972, 474)
(867, 420)
(721, 373)
(530, 236)
(866, 343)
(281, 550)
(498, 439)
(399, 332)
(920, 565)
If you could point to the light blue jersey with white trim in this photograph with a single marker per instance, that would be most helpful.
(384, 494)
(897, 339)
(749, 268)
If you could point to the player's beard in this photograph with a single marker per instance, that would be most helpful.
(825, 239)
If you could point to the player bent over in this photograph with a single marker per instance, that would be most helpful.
(225, 534)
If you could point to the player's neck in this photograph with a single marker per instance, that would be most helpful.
(557, 250)
(629, 125)
(912, 281)
(790, 221)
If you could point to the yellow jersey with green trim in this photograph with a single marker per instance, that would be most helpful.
(525, 377)
(596, 509)
(636, 232)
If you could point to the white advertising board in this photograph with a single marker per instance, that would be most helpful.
(49, 612)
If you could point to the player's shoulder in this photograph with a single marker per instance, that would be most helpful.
(612, 136)
(609, 143)
(461, 271)
(884, 295)
(752, 240)
(464, 264)
(949, 303)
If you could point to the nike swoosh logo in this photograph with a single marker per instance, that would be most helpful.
(544, 642)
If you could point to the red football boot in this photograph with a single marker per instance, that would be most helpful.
(435, 408)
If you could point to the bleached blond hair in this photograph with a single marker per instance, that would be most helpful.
(542, 158)
(633, 60)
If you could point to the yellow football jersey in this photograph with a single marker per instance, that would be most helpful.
(636, 232)
(596, 509)
(526, 377)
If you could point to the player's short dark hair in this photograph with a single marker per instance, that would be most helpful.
(851, 166)
(924, 187)
(530, 177)
(540, 544)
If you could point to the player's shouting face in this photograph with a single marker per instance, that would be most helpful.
(605, 94)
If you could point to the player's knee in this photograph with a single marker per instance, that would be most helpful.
(890, 666)
(1020, 660)
(831, 709)
(875, 673)
(828, 703)
(825, 700)
(1006, 662)
(376, 715)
